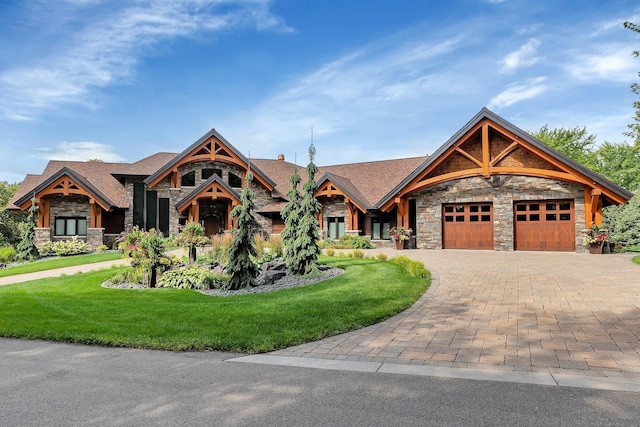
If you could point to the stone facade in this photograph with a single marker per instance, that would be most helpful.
(95, 237)
(43, 235)
(164, 190)
(502, 191)
(334, 208)
(69, 206)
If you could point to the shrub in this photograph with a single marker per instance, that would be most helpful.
(415, 268)
(66, 247)
(129, 275)
(219, 253)
(381, 257)
(276, 245)
(102, 248)
(191, 277)
(7, 254)
(330, 252)
(327, 243)
(358, 253)
(355, 242)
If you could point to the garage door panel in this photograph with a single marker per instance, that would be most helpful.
(545, 225)
(467, 226)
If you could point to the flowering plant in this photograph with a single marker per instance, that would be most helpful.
(400, 233)
(595, 236)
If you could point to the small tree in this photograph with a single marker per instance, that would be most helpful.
(241, 267)
(147, 250)
(291, 216)
(305, 248)
(26, 249)
(192, 237)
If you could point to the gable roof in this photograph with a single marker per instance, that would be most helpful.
(583, 174)
(347, 188)
(102, 199)
(213, 183)
(95, 177)
(192, 149)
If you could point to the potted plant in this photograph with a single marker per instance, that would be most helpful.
(595, 238)
(399, 235)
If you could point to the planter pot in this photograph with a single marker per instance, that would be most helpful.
(595, 248)
(400, 244)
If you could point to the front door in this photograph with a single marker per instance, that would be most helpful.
(212, 216)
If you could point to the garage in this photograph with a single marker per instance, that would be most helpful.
(467, 226)
(547, 225)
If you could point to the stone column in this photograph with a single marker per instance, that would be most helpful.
(43, 235)
(95, 237)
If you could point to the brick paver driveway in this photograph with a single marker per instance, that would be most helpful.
(520, 311)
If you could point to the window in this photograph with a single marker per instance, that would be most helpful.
(380, 228)
(235, 181)
(188, 179)
(70, 227)
(209, 172)
(336, 227)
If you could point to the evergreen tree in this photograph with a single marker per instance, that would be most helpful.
(241, 267)
(291, 216)
(26, 249)
(305, 257)
(634, 128)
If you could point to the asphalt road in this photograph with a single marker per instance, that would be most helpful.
(52, 384)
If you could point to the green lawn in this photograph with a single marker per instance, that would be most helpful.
(77, 309)
(59, 262)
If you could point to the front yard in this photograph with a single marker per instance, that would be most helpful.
(78, 309)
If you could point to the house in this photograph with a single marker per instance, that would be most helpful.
(491, 186)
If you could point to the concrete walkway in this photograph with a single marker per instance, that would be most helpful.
(85, 268)
(67, 271)
(555, 314)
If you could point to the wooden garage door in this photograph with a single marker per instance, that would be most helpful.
(547, 225)
(467, 226)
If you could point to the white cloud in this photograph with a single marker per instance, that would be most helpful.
(609, 62)
(525, 56)
(108, 47)
(519, 92)
(80, 151)
(372, 85)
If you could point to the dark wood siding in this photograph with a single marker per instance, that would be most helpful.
(163, 215)
(138, 204)
(152, 209)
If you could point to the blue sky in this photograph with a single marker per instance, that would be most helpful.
(377, 79)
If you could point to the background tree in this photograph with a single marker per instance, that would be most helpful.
(9, 221)
(306, 250)
(192, 237)
(241, 267)
(634, 128)
(575, 143)
(291, 216)
(620, 162)
(26, 249)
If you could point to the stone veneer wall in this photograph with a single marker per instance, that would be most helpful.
(334, 208)
(69, 206)
(43, 235)
(502, 191)
(95, 237)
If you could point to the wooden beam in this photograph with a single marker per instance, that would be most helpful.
(468, 156)
(485, 151)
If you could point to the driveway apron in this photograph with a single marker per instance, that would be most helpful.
(565, 313)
